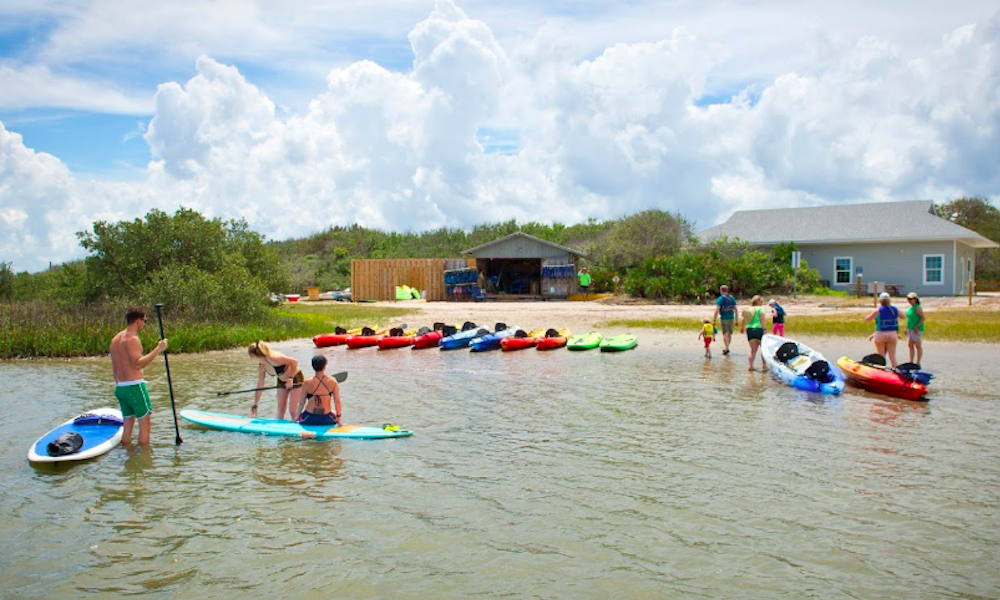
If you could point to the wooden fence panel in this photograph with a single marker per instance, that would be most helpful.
(376, 279)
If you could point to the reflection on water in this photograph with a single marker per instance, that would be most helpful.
(651, 473)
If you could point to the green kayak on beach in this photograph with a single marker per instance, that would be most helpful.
(618, 343)
(587, 341)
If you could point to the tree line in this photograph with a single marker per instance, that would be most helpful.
(221, 270)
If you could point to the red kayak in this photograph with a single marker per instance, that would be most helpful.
(517, 343)
(394, 341)
(553, 339)
(881, 380)
(363, 341)
(427, 340)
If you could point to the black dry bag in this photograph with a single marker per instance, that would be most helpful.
(819, 370)
(876, 360)
(68, 443)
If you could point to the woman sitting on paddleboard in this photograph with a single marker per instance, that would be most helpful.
(319, 390)
(286, 369)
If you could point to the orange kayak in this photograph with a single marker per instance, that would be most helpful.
(881, 380)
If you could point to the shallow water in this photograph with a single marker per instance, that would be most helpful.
(651, 473)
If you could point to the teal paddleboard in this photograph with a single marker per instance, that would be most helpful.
(587, 341)
(617, 343)
(290, 429)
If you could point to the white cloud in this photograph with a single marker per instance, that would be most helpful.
(873, 118)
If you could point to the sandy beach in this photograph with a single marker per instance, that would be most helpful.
(584, 315)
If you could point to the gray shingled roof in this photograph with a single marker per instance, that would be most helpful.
(529, 236)
(844, 223)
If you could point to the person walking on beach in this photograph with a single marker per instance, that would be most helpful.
(127, 363)
(915, 328)
(707, 333)
(886, 318)
(286, 370)
(725, 314)
(319, 391)
(754, 320)
(777, 317)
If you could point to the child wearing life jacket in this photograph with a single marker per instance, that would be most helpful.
(707, 333)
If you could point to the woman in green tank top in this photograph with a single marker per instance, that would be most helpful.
(753, 324)
(915, 328)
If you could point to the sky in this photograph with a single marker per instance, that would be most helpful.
(409, 115)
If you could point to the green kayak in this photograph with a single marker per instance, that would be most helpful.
(617, 343)
(587, 341)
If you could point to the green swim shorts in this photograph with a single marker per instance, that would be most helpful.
(133, 400)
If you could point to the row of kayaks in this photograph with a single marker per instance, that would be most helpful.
(803, 368)
(478, 338)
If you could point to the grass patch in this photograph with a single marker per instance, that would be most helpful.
(38, 329)
(951, 325)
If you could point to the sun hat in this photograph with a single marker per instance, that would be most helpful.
(912, 295)
(883, 296)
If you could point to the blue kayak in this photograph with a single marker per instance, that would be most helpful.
(491, 341)
(460, 339)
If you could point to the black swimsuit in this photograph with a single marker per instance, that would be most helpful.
(317, 416)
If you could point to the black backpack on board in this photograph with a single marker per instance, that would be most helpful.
(68, 443)
(786, 352)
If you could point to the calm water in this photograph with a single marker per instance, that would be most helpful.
(647, 474)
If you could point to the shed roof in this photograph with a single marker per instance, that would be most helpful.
(500, 242)
(908, 221)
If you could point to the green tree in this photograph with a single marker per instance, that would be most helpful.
(979, 215)
(210, 267)
(6, 281)
(638, 237)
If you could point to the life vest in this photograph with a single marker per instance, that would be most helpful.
(888, 318)
(709, 330)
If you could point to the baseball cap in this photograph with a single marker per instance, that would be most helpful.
(771, 301)
(883, 296)
(912, 295)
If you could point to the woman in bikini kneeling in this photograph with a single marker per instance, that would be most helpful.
(286, 369)
(319, 390)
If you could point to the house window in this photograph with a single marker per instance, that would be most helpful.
(933, 269)
(842, 268)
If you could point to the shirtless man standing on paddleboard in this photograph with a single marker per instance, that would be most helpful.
(127, 362)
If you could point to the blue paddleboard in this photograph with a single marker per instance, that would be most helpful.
(288, 428)
(101, 430)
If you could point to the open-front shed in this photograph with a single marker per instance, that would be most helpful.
(522, 265)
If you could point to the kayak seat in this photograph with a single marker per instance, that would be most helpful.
(500, 327)
(520, 333)
(820, 371)
(449, 330)
(367, 331)
(551, 333)
(786, 352)
(874, 360)
(468, 325)
(339, 330)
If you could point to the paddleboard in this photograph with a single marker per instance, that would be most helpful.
(288, 428)
(101, 430)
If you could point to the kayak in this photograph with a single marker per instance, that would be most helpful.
(800, 366)
(427, 340)
(339, 337)
(287, 428)
(491, 341)
(587, 341)
(553, 339)
(618, 343)
(363, 341)
(881, 380)
(514, 342)
(462, 338)
(394, 341)
(99, 430)
(398, 337)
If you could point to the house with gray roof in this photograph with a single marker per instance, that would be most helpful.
(902, 244)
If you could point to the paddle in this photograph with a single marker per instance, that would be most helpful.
(177, 431)
(340, 377)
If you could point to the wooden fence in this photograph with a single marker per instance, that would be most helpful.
(376, 279)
